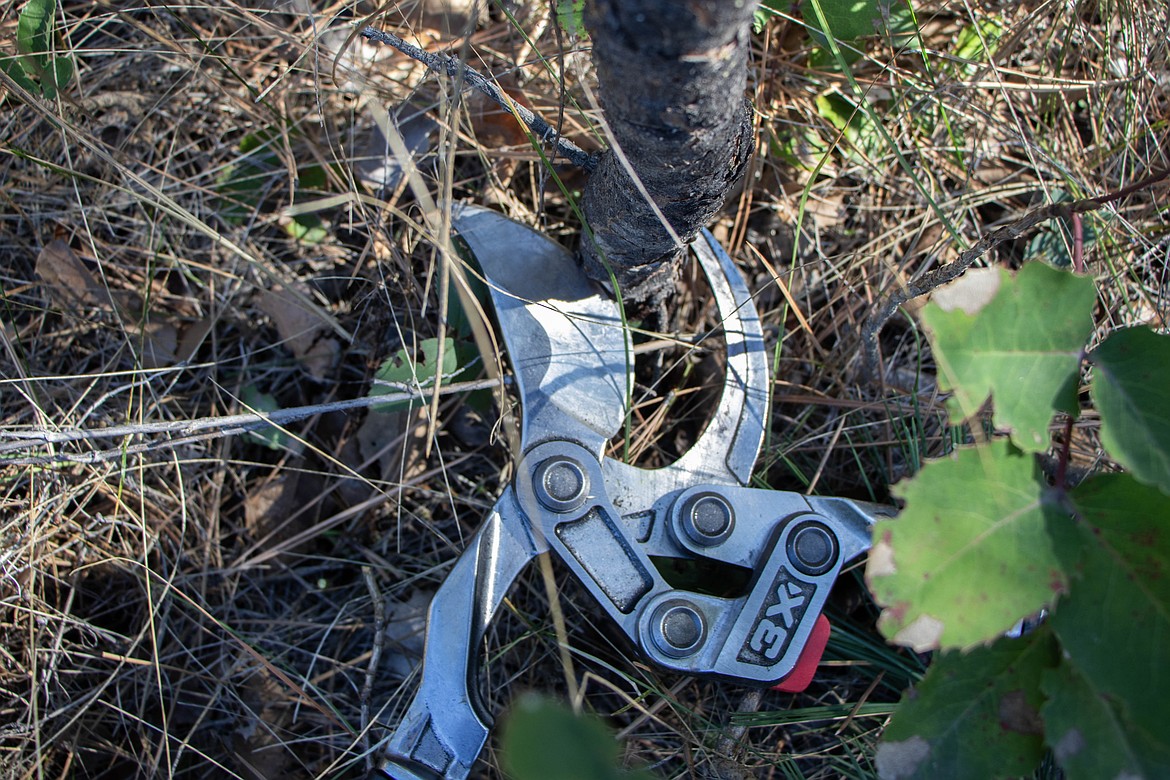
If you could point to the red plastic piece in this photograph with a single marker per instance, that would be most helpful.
(810, 658)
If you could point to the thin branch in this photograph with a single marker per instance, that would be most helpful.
(442, 63)
(379, 605)
(932, 280)
(189, 430)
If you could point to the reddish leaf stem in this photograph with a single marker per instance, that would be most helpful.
(1078, 230)
(1062, 459)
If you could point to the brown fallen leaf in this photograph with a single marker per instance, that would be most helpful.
(192, 338)
(255, 739)
(386, 446)
(496, 126)
(159, 344)
(67, 279)
(405, 633)
(302, 327)
(74, 288)
(452, 17)
(273, 507)
(377, 166)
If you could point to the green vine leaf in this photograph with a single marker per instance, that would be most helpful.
(978, 43)
(32, 35)
(56, 77)
(1129, 388)
(271, 436)
(1114, 625)
(969, 556)
(1018, 340)
(846, 20)
(401, 372)
(570, 16)
(15, 71)
(1090, 734)
(974, 715)
(544, 740)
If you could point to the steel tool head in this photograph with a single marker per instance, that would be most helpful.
(571, 356)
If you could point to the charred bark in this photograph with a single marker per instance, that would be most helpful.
(671, 80)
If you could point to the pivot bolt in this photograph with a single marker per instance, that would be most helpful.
(812, 548)
(707, 519)
(561, 484)
(678, 628)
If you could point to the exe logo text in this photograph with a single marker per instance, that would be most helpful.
(779, 617)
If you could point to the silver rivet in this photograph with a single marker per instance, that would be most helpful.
(812, 548)
(707, 519)
(561, 484)
(678, 629)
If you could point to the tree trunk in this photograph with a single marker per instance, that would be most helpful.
(671, 79)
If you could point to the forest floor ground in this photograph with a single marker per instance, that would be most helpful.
(192, 227)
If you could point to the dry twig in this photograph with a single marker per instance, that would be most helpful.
(452, 67)
(932, 280)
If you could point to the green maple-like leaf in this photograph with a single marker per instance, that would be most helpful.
(975, 715)
(1114, 625)
(1018, 340)
(846, 20)
(1131, 389)
(969, 556)
(544, 740)
(402, 373)
(1090, 735)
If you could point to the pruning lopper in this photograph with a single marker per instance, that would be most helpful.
(572, 358)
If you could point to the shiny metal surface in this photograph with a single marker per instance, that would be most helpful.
(565, 338)
(606, 519)
(446, 726)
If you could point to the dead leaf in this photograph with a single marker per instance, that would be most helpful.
(1016, 714)
(302, 327)
(193, 337)
(922, 634)
(74, 288)
(380, 440)
(827, 210)
(67, 279)
(273, 508)
(406, 623)
(160, 343)
(970, 292)
(378, 167)
(320, 358)
(255, 741)
(881, 559)
(496, 126)
(451, 17)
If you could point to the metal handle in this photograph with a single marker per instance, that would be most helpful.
(446, 726)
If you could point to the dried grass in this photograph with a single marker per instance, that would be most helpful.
(177, 601)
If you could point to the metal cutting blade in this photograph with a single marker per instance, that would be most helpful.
(565, 338)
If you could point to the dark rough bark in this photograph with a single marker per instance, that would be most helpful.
(671, 79)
